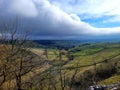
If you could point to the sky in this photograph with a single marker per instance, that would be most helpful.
(65, 19)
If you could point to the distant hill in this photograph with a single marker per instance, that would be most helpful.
(66, 44)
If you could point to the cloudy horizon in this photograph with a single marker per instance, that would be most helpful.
(66, 19)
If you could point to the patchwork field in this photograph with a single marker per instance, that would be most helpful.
(90, 58)
(75, 68)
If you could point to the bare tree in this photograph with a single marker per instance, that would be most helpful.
(95, 71)
(73, 77)
(46, 53)
(61, 72)
(15, 55)
(51, 80)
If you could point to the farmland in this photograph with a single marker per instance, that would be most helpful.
(87, 58)
(74, 67)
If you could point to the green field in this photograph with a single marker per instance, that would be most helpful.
(103, 56)
(91, 63)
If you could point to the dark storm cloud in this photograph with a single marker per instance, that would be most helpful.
(46, 20)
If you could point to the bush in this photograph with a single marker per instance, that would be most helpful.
(86, 79)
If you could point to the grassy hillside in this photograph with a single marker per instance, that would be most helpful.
(91, 63)
(86, 57)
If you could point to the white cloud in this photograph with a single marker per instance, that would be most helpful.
(1, 1)
(105, 31)
(75, 17)
(115, 19)
(24, 7)
(94, 8)
(51, 19)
